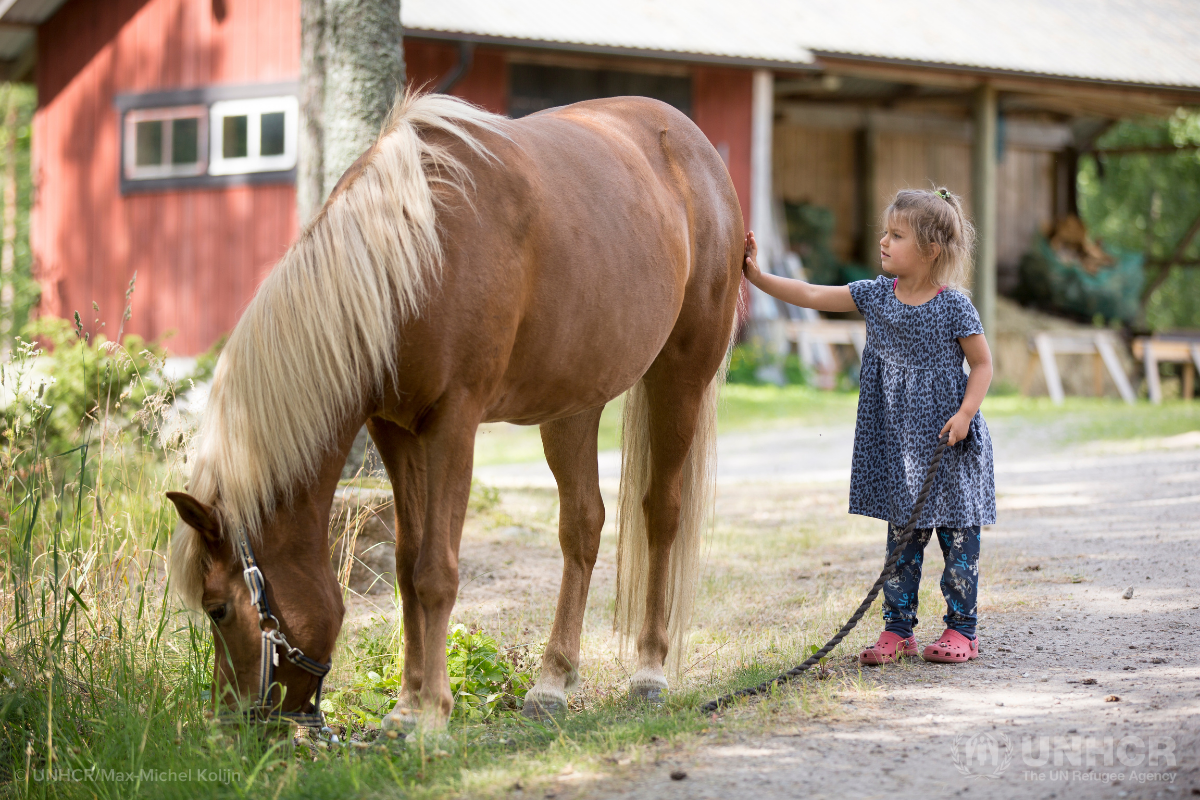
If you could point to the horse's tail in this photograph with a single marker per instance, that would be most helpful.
(695, 517)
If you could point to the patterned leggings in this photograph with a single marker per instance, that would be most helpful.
(960, 579)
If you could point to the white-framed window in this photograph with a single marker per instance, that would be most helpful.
(166, 142)
(256, 135)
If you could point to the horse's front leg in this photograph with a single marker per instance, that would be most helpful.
(570, 446)
(449, 445)
(404, 458)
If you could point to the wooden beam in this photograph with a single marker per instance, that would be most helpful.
(866, 156)
(1003, 81)
(983, 205)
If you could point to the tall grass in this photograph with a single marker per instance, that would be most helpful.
(99, 673)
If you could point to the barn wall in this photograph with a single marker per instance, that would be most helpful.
(198, 254)
(721, 106)
(817, 164)
(1024, 207)
(485, 84)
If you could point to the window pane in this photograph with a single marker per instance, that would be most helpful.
(148, 144)
(272, 134)
(185, 141)
(233, 137)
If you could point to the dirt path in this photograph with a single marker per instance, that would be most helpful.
(1033, 717)
(1078, 526)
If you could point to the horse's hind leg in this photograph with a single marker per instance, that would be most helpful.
(404, 458)
(674, 397)
(570, 446)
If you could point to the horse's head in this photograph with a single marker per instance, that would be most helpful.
(301, 590)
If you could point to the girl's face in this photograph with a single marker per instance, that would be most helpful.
(898, 251)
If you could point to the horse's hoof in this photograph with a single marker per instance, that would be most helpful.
(649, 687)
(543, 706)
(400, 721)
(654, 695)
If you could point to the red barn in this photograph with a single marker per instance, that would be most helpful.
(165, 136)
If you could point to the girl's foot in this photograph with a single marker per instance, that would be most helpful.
(890, 647)
(952, 648)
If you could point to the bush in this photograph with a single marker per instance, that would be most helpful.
(750, 357)
(90, 381)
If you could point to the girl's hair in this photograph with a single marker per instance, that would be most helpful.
(937, 217)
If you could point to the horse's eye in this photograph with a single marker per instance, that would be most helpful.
(217, 613)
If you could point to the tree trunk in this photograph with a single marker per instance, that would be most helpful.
(7, 258)
(310, 171)
(352, 69)
(364, 71)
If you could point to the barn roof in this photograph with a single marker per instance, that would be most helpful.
(18, 18)
(1148, 42)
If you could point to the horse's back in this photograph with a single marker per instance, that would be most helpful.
(586, 235)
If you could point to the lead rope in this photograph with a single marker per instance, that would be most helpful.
(889, 567)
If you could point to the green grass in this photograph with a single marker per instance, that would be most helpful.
(748, 408)
(1087, 419)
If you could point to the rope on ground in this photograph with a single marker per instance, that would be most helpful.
(889, 567)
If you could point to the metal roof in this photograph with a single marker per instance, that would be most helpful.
(1129, 41)
(28, 12)
(19, 17)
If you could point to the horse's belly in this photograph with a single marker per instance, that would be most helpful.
(583, 361)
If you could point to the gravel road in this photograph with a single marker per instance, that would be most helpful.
(1078, 692)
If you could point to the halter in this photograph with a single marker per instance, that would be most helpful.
(273, 637)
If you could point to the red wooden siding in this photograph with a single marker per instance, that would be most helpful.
(721, 107)
(198, 254)
(485, 84)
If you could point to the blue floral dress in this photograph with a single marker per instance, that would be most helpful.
(911, 383)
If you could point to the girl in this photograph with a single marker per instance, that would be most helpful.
(920, 325)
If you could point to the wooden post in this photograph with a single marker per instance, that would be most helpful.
(868, 209)
(983, 205)
(762, 122)
(1153, 385)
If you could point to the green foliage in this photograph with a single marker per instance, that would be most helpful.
(484, 498)
(751, 356)
(810, 230)
(25, 287)
(482, 679)
(1146, 202)
(91, 380)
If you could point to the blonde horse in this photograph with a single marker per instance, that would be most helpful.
(470, 268)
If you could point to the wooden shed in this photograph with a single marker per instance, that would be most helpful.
(165, 136)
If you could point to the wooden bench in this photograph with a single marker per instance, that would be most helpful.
(827, 331)
(814, 340)
(1153, 350)
(1100, 345)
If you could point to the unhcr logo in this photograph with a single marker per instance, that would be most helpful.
(1068, 758)
(983, 755)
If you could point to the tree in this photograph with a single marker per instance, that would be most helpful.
(352, 67)
(1147, 198)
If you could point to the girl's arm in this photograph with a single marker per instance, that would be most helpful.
(798, 293)
(975, 347)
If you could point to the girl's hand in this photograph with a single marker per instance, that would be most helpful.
(750, 265)
(958, 427)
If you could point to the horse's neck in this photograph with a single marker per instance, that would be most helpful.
(306, 517)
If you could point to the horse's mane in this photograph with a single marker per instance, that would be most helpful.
(320, 334)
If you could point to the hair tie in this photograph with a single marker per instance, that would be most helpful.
(942, 193)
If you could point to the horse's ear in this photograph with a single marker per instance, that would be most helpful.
(197, 515)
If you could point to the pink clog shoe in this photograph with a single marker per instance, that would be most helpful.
(890, 647)
(952, 648)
